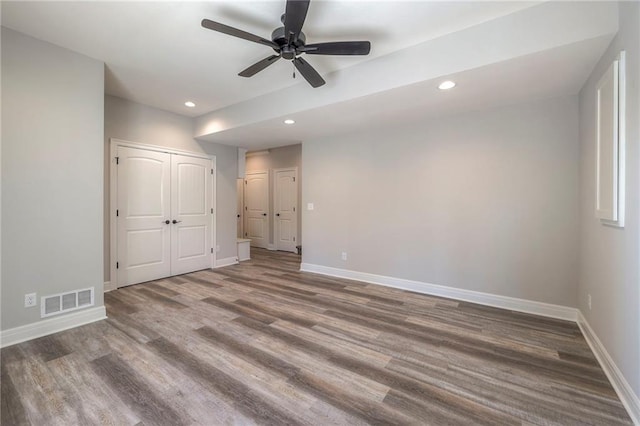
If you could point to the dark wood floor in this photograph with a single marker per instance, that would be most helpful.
(261, 343)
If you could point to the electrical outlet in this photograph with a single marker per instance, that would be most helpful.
(30, 300)
(344, 255)
(309, 206)
(589, 300)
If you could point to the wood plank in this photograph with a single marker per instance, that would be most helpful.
(263, 343)
(141, 398)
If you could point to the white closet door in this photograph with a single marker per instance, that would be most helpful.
(256, 204)
(285, 196)
(143, 208)
(240, 207)
(190, 214)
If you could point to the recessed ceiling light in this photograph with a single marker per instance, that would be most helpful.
(446, 85)
(289, 121)
(190, 104)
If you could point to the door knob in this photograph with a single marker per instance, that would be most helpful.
(264, 214)
(238, 215)
(167, 221)
(277, 214)
(176, 221)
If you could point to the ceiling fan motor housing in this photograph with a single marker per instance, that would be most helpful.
(288, 52)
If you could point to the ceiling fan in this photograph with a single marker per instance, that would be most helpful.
(289, 42)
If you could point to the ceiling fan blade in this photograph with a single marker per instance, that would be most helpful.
(308, 72)
(259, 66)
(338, 48)
(225, 29)
(294, 16)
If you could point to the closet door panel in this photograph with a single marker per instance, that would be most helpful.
(191, 214)
(144, 179)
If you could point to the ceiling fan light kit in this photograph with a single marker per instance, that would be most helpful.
(289, 42)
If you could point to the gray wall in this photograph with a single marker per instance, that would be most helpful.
(135, 122)
(484, 201)
(52, 173)
(610, 257)
(226, 195)
(279, 158)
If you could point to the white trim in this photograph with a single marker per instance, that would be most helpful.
(622, 155)
(214, 206)
(227, 261)
(113, 220)
(240, 200)
(488, 299)
(619, 183)
(109, 287)
(272, 247)
(168, 150)
(629, 399)
(51, 325)
(242, 162)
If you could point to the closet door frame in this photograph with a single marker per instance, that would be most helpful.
(113, 200)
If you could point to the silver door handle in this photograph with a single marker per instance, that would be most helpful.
(176, 221)
(167, 222)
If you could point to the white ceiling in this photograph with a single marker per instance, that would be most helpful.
(504, 83)
(156, 53)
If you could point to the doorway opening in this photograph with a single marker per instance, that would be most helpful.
(269, 197)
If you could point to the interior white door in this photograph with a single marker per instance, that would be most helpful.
(240, 207)
(256, 205)
(143, 215)
(190, 214)
(285, 196)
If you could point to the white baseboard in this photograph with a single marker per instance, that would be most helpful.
(52, 325)
(109, 287)
(226, 261)
(272, 247)
(629, 399)
(511, 303)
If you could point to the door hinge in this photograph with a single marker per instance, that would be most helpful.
(117, 160)
(117, 212)
(245, 182)
(245, 207)
(211, 211)
(294, 178)
(294, 238)
(294, 209)
(211, 249)
(117, 265)
(211, 171)
(245, 234)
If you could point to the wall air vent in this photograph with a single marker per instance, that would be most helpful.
(66, 302)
